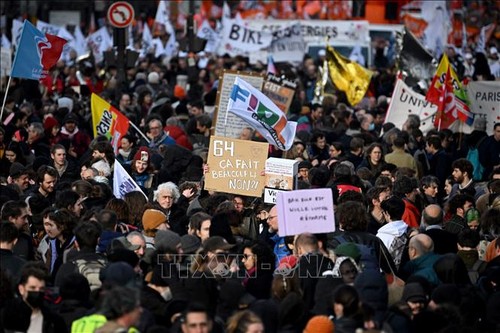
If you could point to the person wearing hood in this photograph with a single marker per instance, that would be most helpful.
(393, 234)
(80, 141)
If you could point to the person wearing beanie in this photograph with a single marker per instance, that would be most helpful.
(152, 221)
(80, 141)
(52, 127)
(416, 298)
(167, 242)
(319, 324)
(142, 169)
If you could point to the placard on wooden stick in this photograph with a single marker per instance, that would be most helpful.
(227, 124)
(235, 166)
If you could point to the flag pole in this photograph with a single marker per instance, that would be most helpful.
(5, 97)
(140, 132)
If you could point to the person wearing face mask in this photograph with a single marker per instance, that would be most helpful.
(27, 312)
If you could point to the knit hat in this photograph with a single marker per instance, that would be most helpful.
(123, 242)
(49, 123)
(166, 241)
(414, 292)
(190, 243)
(348, 249)
(304, 165)
(17, 169)
(216, 243)
(143, 154)
(319, 324)
(71, 117)
(122, 255)
(152, 218)
(117, 273)
(153, 78)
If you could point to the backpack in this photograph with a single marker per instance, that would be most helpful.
(368, 259)
(91, 269)
(473, 157)
(474, 271)
(398, 246)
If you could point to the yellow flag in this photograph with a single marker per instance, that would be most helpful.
(348, 76)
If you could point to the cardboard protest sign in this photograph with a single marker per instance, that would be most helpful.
(279, 91)
(281, 175)
(235, 166)
(227, 124)
(308, 210)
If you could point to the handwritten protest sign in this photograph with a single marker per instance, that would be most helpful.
(236, 166)
(305, 211)
(227, 124)
(279, 91)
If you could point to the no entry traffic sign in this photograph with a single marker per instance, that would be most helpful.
(120, 14)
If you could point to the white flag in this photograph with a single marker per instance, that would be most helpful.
(99, 42)
(262, 114)
(123, 183)
(147, 40)
(404, 102)
(6, 42)
(17, 29)
(163, 16)
(167, 50)
(212, 37)
(79, 45)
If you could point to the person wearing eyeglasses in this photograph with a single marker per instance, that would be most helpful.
(157, 135)
(258, 260)
(280, 248)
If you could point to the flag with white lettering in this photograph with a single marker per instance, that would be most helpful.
(262, 114)
(99, 42)
(238, 39)
(59, 31)
(447, 93)
(108, 121)
(37, 53)
(123, 183)
(212, 36)
(404, 102)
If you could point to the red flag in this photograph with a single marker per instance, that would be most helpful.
(444, 99)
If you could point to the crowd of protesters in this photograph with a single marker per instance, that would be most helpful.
(416, 246)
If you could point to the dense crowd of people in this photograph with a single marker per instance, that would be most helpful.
(416, 246)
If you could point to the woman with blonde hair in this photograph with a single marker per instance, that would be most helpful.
(245, 322)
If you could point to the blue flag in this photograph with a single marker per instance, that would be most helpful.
(36, 53)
